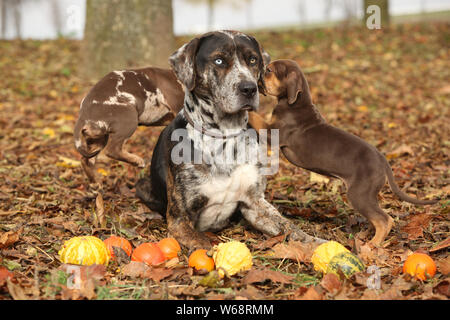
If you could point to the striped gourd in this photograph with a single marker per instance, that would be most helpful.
(86, 250)
(324, 253)
(345, 263)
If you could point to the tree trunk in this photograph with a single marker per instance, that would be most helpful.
(127, 34)
(210, 15)
(384, 11)
(3, 15)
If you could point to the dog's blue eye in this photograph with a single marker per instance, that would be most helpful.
(218, 61)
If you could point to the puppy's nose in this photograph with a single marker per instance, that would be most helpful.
(248, 88)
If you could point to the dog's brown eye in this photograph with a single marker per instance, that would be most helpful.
(252, 60)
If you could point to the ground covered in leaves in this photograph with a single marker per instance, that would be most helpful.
(390, 87)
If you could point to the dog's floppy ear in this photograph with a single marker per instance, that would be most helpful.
(182, 62)
(266, 60)
(293, 86)
(266, 57)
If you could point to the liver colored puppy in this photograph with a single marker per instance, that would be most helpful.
(112, 110)
(309, 142)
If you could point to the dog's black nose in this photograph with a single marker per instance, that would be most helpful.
(248, 88)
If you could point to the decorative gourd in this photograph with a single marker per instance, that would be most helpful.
(148, 253)
(420, 266)
(115, 241)
(199, 260)
(169, 247)
(324, 253)
(345, 263)
(232, 257)
(86, 250)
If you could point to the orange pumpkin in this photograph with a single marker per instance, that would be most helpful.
(115, 241)
(149, 253)
(200, 260)
(170, 247)
(420, 266)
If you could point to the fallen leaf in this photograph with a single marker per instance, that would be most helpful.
(9, 238)
(16, 291)
(293, 250)
(211, 280)
(135, 269)
(269, 243)
(100, 210)
(444, 265)
(441, 245)
(68, 163)
(443, 288)
(120, 256)
(140, 270)
(312, 293)
(261, 275)
(330, 282)
(83, 281)
(403, 149)
(157, 274)
(416, 225)
(48, 132)
(318, 178)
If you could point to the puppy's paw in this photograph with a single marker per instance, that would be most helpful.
(141, 163)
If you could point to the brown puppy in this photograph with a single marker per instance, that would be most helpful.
(309, 142)
(112, 110)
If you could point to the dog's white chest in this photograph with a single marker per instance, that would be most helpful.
(224, 193)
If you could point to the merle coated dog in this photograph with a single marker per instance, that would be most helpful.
(222, 73)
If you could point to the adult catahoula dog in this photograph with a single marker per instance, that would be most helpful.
(222, 73)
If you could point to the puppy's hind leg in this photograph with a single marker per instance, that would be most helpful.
(117, 137)
(363, 198)
(265, 218)
(88, 165)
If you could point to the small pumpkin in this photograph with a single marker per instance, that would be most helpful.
(232, 257)
(324, 253)
(85, 250)
(169, 247)
(420, 266)
(199, 260)
(115, 241)
(148, 253)
(345, 263)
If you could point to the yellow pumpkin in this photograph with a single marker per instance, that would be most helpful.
(232, 257)
(86, 250)
(324, 253)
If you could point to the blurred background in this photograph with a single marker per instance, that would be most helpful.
(47, 19)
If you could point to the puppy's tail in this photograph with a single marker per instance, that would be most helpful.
(403, 196)
(90, 138)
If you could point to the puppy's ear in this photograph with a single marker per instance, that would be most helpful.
(182, 62)
(293, 86)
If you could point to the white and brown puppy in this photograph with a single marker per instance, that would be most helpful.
(112, 110)
(220, 72)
